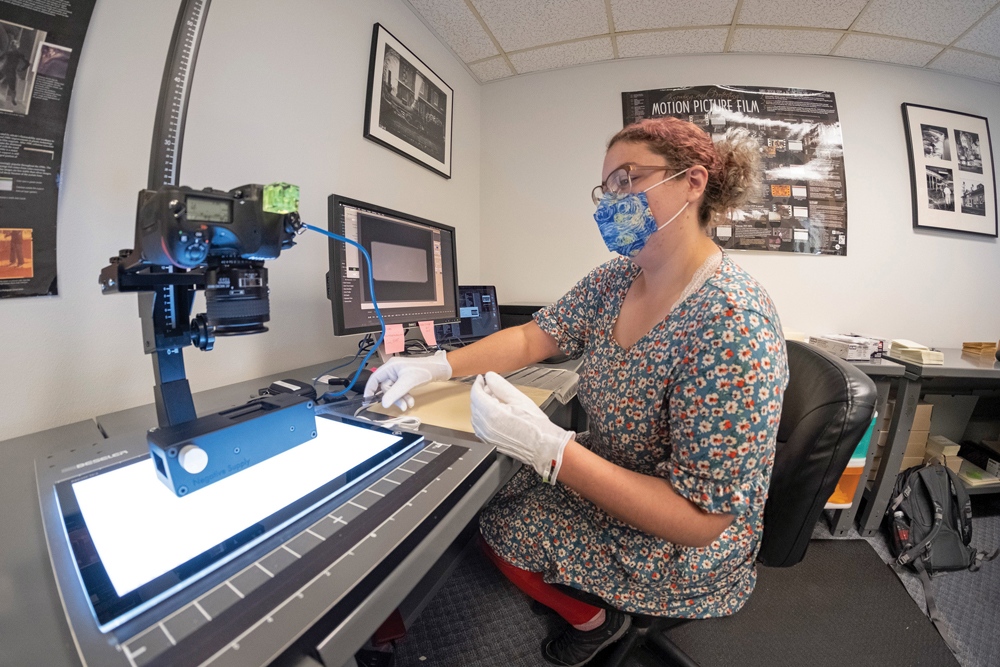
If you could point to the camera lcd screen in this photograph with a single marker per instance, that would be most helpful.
(135, 541)
(209, 210)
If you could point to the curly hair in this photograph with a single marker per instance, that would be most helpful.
(733, 162)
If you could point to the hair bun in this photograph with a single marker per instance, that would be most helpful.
(739, 177)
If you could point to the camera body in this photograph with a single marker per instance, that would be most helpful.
(208, 239)
(188, 228)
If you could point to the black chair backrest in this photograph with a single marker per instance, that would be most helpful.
(827, 408)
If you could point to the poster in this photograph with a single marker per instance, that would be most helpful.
(40, 43)
(801, 206)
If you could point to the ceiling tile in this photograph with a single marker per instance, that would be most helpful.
(710, 40)
(806, 13)
(492, 69)
(646, 14)
(985, 37)
(938, 21)
(887, 49)
(522, 24)
(455, 23)
(968, 64)
(563, 55)
(765, 40)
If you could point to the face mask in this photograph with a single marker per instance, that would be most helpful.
(626, 222)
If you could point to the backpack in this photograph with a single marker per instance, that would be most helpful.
(929, 522)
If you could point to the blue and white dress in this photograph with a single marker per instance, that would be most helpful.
(695, 401)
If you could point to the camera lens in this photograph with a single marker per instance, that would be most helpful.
(236, 296)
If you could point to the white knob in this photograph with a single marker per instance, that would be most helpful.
(193, 459)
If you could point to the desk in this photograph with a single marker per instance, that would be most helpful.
(882, 372)
(960, 373)
(33, 628)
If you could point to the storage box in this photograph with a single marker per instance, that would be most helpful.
(938, 445)
(921, 419)
(916, 444)
(954, 463)
(843, 495)
(908, 462)
(877, 347)
(840, 348)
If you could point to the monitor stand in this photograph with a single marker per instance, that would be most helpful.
(383, 355)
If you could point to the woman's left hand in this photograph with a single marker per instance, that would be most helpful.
(504, 417)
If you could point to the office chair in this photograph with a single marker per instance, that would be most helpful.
(827, 408)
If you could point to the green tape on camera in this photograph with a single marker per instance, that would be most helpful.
(281, 198)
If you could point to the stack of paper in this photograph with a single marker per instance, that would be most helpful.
(944, 450)
(979, 348)
(907, 350)
(973, 475)
(938, 445)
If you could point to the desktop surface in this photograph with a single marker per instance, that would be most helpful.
(957, 364)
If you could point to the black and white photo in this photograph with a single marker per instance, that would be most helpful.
(936, 143)
(940, 189)
(973, 198)
(409, 108)
(969, 156)
(952, 175)
(20, 47)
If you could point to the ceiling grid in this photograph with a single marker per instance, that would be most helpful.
(611, 27)
(850, 28)
(497, 39)
(732, 26)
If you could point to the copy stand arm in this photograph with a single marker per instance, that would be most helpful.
(165, 314)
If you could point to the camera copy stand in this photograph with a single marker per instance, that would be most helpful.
(189, 452)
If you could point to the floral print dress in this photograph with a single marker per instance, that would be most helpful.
(695, 401)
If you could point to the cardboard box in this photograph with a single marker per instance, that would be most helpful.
(916, 444)
(908, 462)
(841, 349)
(941, 446)
(954, 463)
(921, 419)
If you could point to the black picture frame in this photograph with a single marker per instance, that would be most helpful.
(953, 153)
(409, 109)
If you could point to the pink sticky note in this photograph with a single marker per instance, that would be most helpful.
(427, 329)
(394, 338)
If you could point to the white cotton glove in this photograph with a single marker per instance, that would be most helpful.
(400, 375)
(510, 421)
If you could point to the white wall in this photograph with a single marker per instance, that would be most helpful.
(279, 94)
(543, 147)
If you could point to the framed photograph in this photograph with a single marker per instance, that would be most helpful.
(409, 108)
(951, 170)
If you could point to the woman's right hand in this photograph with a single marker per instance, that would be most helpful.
(398, 376)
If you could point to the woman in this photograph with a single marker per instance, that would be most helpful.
(657, 510)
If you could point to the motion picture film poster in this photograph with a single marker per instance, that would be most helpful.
(801, 206)
(40, 43)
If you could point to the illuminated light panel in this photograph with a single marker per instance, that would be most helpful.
(141, 530)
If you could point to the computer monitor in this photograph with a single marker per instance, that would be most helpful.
(477, 306)
(413, 263)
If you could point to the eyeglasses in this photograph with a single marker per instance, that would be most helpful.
(619, 182)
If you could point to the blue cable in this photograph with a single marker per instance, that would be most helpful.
(361, 348)
(371, 286)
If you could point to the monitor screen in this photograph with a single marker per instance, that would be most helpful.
(413, 268)
(477, 306)
(135, 542)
